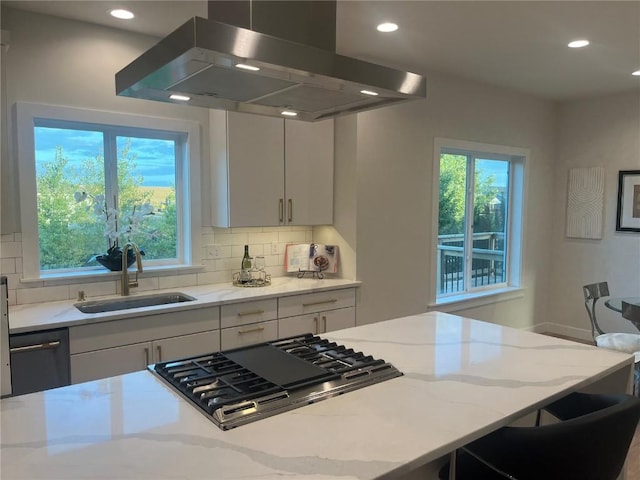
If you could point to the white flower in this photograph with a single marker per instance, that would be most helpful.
(116, 223)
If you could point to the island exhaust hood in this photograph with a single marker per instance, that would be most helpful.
(265, 57)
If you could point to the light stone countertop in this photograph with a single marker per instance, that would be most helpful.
(462, 378)
(40, 316)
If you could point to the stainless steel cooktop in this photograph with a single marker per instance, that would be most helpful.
(243, 385)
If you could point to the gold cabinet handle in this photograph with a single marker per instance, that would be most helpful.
(253, 312)
(290, 210)
(159, 350)
(315, 325)
(146, 357)
(324, 321)
(250, 330)
(333, 300)
(281, 210)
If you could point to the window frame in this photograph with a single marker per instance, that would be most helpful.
(29, 115)
(517, 158)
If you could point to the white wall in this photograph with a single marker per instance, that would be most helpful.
(597, 132)
(395, 150)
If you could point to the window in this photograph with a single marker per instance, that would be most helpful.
(479, 212)
(92, 180)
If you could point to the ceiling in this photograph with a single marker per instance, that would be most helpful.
(519, 45)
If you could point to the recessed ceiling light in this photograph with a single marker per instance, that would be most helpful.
(387, 27)
(181, 98)
(288, 113)
(244, 66)
(122, 14)
(369, 92)
(636, 73)
(578, 43)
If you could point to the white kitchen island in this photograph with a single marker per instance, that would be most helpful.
(462, 378)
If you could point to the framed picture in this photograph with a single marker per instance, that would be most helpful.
(628, 216)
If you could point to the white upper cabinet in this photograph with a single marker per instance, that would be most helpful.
(270, 172)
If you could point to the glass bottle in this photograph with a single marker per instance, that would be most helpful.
(245, 272)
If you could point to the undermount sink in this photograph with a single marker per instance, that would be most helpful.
(124, 303)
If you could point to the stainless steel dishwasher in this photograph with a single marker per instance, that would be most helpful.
(39, 360)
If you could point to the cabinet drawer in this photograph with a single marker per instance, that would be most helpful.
(317, 323)
(244, 313)
(248, 334)
(316, 302)
(110, 362)
(97, 336)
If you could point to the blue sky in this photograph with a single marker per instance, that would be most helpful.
(155, 158)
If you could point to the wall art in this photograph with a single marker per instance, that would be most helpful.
(628, 216)
(585, 203)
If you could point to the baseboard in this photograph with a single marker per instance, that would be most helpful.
(563, 330)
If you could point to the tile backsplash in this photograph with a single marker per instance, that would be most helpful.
(222, 250)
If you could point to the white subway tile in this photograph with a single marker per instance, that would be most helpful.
(256, 249)
(17, 237)
(7, 237)
(10, 249)
(44, 294)
(255, 238)
(292, 237)
(227, 264)
(206, 278)
(19, 265)
(94, 289)
(178, 281)
(231, 239)
(7, 265)
(13, 280)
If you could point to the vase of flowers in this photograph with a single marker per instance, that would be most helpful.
(117, 225)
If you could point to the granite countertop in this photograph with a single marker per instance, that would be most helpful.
(39, 316)
(462, 378)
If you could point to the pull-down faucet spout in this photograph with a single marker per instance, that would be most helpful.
(125, 282)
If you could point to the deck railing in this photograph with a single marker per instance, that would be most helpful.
(487, 265)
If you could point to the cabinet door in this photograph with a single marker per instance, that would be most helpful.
(110, 362)
(317, 323)
(309, 172)
(256, 170)
(186, 346)
(248, 334)
(338, 319)
(288, 327)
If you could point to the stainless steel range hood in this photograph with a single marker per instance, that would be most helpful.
(200, 61)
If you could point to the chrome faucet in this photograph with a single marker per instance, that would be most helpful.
(125, 283)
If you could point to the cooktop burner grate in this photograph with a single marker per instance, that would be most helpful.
(243, 385)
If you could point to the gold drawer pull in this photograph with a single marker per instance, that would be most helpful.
(333, 300)
(251, 330)
(253, 312)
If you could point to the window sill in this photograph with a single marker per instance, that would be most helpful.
(102, 275)
(477, 299)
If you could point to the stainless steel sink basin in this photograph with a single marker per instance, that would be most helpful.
(125, 303)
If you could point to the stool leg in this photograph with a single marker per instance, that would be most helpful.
(452, 465)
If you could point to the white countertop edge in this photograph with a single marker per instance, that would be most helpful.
(59, 314)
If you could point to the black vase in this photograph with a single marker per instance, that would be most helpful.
(113, 259)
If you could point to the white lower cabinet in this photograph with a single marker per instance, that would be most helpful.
(316, 323)
(105, 349)
(109, 362)
(117, 347)
(318, 312)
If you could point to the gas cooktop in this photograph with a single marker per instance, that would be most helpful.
(243, 385)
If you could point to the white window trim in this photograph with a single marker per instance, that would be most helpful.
(515, 228)
(186, 181)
